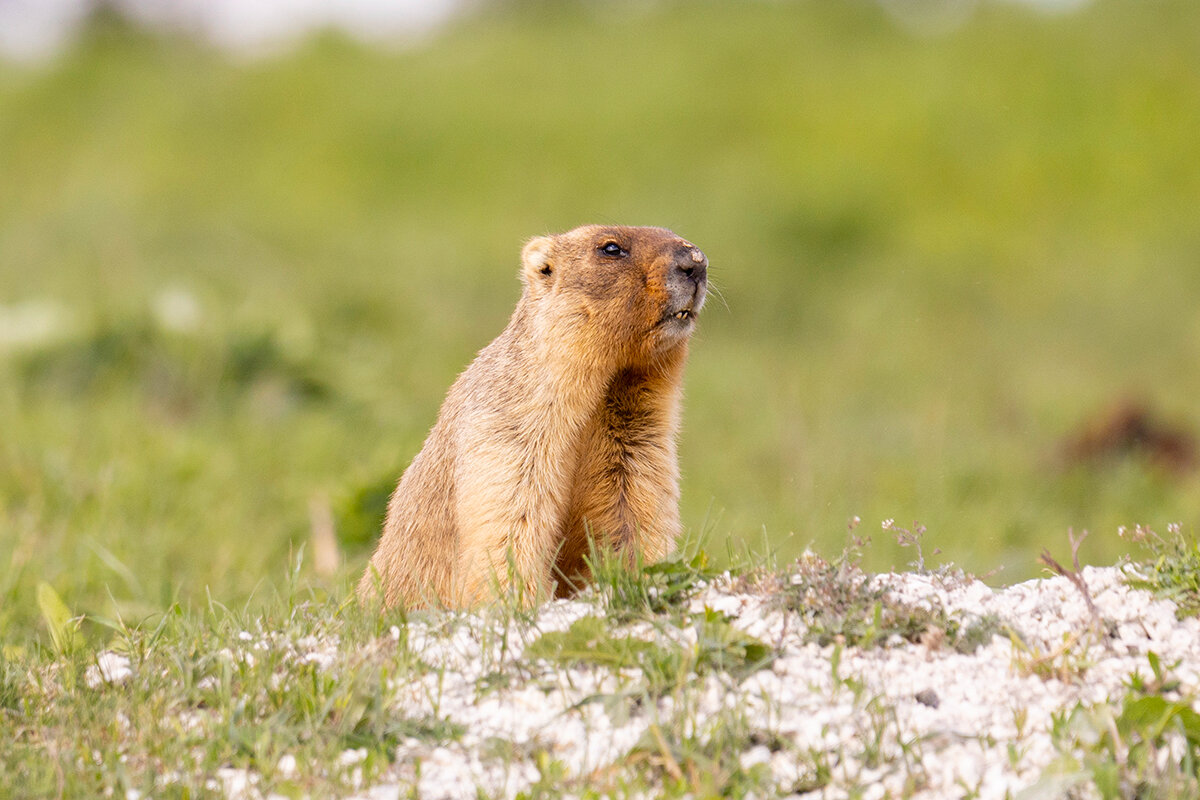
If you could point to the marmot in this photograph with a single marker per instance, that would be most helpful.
(561, 430)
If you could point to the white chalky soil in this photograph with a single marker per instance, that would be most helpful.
(901, 720)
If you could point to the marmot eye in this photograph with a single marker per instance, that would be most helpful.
(612, 249)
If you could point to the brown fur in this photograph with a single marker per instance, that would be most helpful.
(562, 428)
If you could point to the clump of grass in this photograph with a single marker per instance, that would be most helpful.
(1174, 572)
(720, 646)
(11, 684)
(1068, 662)
(665, 663)
(294, 679)
(687, 759)
(636, 591)
(840, 603)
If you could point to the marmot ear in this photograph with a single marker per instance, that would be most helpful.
(536, 264)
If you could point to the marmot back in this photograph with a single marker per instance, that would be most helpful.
(561, 429)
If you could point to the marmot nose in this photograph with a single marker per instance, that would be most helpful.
(692, 263)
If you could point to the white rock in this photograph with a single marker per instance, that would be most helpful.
(286, 765)
(111, 668)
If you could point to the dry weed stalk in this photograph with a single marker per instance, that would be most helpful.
(1075, 576)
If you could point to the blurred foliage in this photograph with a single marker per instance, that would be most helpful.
(131, 354)
(938, 257)
(1173, 570)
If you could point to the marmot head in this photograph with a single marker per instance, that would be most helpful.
(639, 289)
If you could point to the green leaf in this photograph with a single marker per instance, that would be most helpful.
(1106, 776)
(1189, 721)
(58, 618)
(1155, 665)
(1143, 714)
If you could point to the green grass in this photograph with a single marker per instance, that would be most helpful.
(280, 691)
(209, 690)
(938, 257)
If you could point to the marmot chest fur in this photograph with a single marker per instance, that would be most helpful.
(561, 432)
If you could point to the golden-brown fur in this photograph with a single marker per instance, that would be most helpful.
(562, 428)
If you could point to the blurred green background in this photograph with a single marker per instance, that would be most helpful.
(233, 291)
